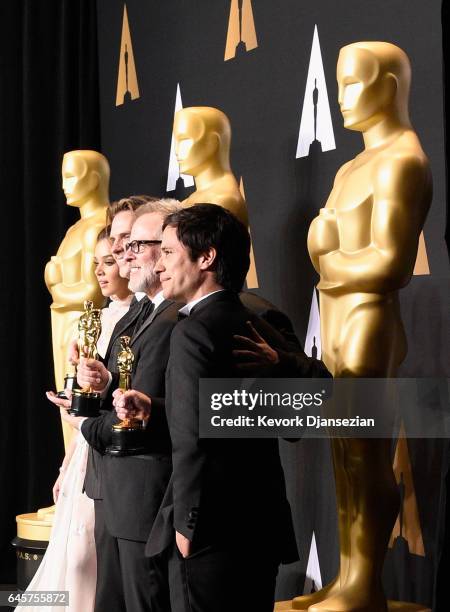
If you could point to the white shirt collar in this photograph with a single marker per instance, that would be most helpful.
(139, 295)
(186, 310)
(158, 299)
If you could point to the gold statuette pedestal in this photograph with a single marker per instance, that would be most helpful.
(33, 535)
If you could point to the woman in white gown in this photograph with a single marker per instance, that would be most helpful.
(70, 563)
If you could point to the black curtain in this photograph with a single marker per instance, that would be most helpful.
(446, 77)
(442, 591)
(49, 104)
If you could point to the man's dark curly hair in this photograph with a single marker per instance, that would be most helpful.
(206, 226)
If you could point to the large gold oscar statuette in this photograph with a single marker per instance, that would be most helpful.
(202, 145)
(86, 402)
(69, 275)
(202, 137)
(126, 436)
(363, 244)
(70, 279)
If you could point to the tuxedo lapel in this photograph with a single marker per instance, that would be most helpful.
(150, 319)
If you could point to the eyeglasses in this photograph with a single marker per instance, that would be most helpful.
(137, 246)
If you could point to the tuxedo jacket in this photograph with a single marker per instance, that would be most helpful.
(133, 487)
(223, 491)
(123, 327)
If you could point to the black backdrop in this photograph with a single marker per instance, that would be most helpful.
(182, 44)
(49, 104)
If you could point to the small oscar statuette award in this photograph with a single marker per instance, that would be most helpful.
(126, 436)
(86, 402)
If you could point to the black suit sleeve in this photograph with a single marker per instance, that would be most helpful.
(97, 430)
(158, 418)
(191, 358)
(149, 377)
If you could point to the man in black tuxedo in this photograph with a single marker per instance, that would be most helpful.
(120, 216)
(120, 219)
(128, 490)
(225, 516)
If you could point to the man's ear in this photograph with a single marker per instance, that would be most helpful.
(207, 259)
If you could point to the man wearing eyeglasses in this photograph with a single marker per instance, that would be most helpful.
(132, 487)
(127, 250)
(120, 216)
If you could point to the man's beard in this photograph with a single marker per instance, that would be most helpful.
(148, 280)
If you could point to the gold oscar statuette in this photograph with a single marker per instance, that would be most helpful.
(70, 279)
(69, 274)
(202, 136)
(202, 146)
(86, 402)
(126, 436)
(363, 244)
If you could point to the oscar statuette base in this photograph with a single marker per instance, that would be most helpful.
(126, 441)
(85, 403)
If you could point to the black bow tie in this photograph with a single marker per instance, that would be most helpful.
(181, 315)
(146, 308)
